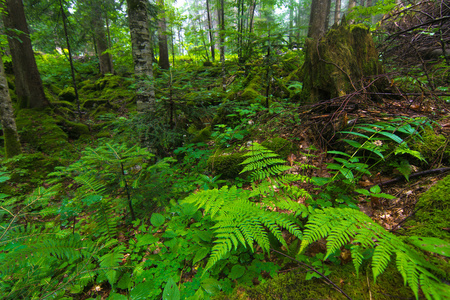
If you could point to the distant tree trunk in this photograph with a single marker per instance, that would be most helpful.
(72, 69)
(221, 13)
(162, 38)
(142, 55)
(351, 5)
(210, 29)
(105, 59)
(291, 21)
(29, 89)
(318, 19)
(10, 135)
(337, 12)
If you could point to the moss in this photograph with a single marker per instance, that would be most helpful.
(202, 135)
(74, 130)
(280, 146)
(226, 163)
(108, 81)
(93, 103)
(39, 132)
(433, 215)
(433, 147)
(68, 94)
(12, 144)
(293, 285)
(27, 172)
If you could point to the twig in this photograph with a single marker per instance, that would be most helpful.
(315, 271)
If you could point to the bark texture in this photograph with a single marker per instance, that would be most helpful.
(318, 18)
(336, 65)
(98, 23)
(142, 55)
(162, 38)
(10, 135)
(29, 89)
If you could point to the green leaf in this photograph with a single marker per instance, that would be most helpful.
(352, 143)
(157, 219)
(236, 272)
(431, 244)
(211, 286)
(142, 290)
(171, 291)
(116, 296)
(319, 181)
(339, 153)
(363, 191)
(392, 136)
(145, 239)
(375, 189)
(91, 199)
(355, 133)
(200, 254)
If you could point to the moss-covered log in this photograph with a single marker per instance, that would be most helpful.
(336, 64)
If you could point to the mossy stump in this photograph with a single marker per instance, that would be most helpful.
(336, 64)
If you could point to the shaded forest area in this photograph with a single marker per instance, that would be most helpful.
(231, 150)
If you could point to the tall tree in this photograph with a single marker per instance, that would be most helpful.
(318, 21)
(142, 54)
(162, 37)
(10, 135)
(337, 12)
(98, 24)
(29, 89)
(210, 29)
(221, 17)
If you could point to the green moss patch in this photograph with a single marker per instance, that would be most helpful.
(280, 146)
(226, 163)
(39, 131)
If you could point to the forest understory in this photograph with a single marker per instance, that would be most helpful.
(248, 192)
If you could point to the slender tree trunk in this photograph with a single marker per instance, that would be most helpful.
(291, 22)
(29, 89)
(162, 37)
(337, 12)
(222, 42)
(72, 69)
(10, 135)
(211, 36)
(142, 56)
(98, 24)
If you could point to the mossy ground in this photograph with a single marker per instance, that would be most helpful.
(293, 285)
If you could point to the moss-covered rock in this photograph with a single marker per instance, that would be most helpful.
(433, 147)
(202, 135)
(226, 163)
(39, 132)
(280, 146)
(67, 94)
(93, 103)
(73, 129)
(108, 81)
(252, 92)
(432, 218)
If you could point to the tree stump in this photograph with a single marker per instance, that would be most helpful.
(336, 64)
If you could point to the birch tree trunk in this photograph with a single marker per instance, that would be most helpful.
(142, 55)
(10, 135)
(29, 89)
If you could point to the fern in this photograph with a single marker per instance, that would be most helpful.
(343, 226)
(239, 220)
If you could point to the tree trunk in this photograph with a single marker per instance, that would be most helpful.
(142, 56)
(29, 89)
(211, 36)
(222, 42)
(105, 59)
(318, 19)
(162, 38)
(337, 12)
(10, 135)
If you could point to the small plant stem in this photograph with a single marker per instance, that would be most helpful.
(133, 217)
(316, 271)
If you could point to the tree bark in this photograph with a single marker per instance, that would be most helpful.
(221, 16)
(318, 19)
(10, 135)
(29, 89)
(337, 12)
(211, 36)
(142, 56)
(162, 38)
(98, 23)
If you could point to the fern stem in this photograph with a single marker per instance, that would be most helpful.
(315, 271)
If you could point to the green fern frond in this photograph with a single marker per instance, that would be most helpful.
(341, 226)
